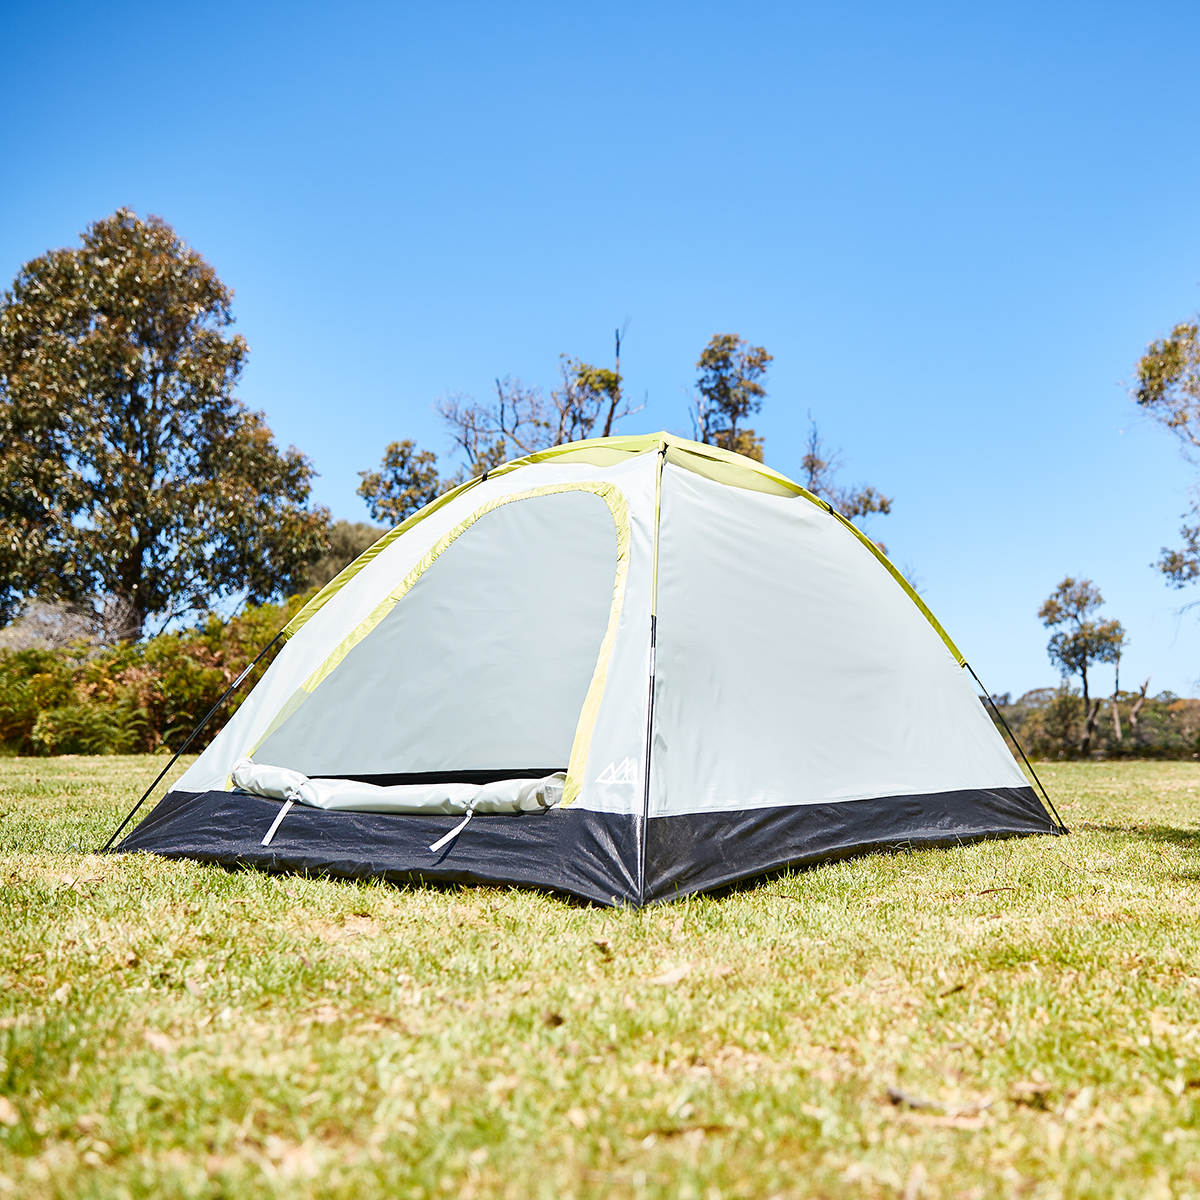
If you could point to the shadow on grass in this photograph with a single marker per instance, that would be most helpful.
(1187, 839)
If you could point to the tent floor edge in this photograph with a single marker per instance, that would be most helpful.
(716, 851)
(585, 855)
(588, 856)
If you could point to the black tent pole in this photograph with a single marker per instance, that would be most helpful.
(1020, 750)
(191, 737)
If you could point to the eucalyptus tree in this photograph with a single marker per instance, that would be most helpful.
(130, 474)
(1081, 639)
(1168, 388)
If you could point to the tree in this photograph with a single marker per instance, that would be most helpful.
(129, 473)
(406, 480)
(519, 421)
(347, 540)
(821, 464)
(729, 390)
(1168, 388)
(523, 419)
(1081, 640)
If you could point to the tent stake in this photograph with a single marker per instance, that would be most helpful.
(1020, 749)
(191, 737)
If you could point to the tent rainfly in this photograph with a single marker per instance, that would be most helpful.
(627, 669)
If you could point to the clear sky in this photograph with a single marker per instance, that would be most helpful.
(955, 226)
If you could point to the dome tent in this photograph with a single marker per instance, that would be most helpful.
(627, 669)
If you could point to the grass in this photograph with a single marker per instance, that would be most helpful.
(168, 1029)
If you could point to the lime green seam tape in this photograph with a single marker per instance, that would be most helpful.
(372, 552)
(581, 744)
(912, 595)
(618, 508)
(678, 452)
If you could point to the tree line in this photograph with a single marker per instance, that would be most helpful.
(137, 492)
(1063, 722)
(136, 489)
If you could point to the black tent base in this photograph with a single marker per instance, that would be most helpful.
(587, 855)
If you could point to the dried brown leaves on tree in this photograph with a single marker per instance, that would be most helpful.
(130, 475)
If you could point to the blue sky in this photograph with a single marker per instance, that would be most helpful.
(955, 226)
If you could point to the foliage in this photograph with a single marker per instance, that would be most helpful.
(1049, 724)
(729, 390)
(521, 419)
(1081, 641)
(31, 681)
(820, 467)
(407, 480)
(127, 467)
(597, 393)
(117, 728)
(131, 697)
(588, 401)
(1168, 388)
(347, 540)
(175, 1029)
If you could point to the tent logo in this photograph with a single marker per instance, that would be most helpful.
(624, 771)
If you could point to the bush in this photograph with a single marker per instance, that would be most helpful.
(30, 682)
(133, 697)
(119, 728)
(1048, 722)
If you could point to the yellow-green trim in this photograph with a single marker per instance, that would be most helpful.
(723, 466)
(618, 508)
(372, 552)
(581, 744)
(912, 595)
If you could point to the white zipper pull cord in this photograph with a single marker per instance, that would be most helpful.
(292, 797)
(447, 838)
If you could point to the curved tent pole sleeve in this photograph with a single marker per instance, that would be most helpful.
(1020, 749)
(191, 737)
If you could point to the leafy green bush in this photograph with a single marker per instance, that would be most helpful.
(30, 682)
(133, 697)
(119, 728)
(1049, 722)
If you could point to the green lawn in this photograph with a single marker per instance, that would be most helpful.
(168, 1029)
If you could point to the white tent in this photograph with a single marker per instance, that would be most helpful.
(628, 669)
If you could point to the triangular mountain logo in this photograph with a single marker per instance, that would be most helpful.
(624, 771)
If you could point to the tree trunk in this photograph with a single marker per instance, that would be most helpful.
(1116, 711)
(1092, 713)
(615, 399)
(122, 619)
(1137, 708)
(1089, 716)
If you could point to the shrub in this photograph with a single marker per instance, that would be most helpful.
(1048, 722)
(30, 681)
(117, 728)
(132, 697)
